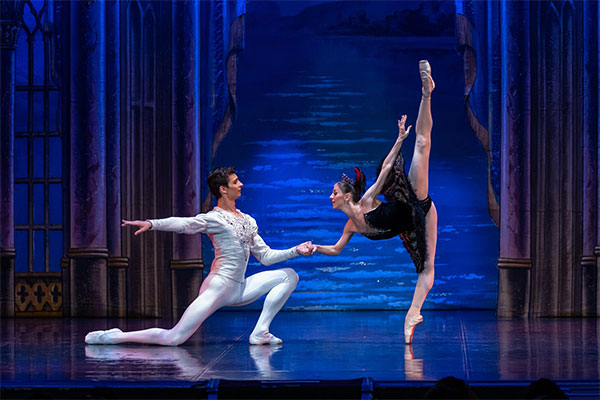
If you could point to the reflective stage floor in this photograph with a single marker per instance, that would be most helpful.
(362, 349)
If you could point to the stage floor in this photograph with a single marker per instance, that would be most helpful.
(472, 345)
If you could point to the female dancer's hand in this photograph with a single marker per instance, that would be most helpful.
(142, 225)
(403, 133)
(306, 248)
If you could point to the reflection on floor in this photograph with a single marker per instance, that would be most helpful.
(319, 346)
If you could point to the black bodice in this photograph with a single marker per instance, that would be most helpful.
(388, 220)
(402, 214)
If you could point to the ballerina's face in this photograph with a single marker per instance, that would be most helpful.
(337, 196)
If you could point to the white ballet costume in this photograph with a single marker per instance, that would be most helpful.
(233, 238)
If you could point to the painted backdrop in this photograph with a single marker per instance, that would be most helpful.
(319, 91)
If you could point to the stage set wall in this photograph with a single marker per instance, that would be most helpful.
(148, 96)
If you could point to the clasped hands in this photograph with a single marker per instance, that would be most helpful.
(306, 248)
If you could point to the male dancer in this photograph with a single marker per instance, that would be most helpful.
(234, 236)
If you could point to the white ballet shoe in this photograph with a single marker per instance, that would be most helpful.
(426, 79)
(409, 327)
(265, 338)
(101, 337)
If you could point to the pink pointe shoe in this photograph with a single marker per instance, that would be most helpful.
(409, 327)
(426, 79)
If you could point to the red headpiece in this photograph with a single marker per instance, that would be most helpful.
(357, 174)
(346, 179)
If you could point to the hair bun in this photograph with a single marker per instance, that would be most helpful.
(360, 181)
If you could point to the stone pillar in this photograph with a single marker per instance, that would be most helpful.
(494, 100)
(514, 263)
(590, 159)
(9, 30)
(597, 248)
(186, 264)
(117, 265)
(88, 251)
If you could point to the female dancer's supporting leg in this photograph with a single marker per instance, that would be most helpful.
(418, 176)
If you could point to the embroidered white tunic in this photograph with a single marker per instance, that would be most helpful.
(233, 238)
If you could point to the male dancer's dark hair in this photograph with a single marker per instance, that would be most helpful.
(219, 177)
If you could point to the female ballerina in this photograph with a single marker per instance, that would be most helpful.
(408, 210)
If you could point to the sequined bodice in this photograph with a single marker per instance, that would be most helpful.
(244, 228)
(387, 220)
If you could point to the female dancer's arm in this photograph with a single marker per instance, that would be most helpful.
(388, 163)
(334, 250)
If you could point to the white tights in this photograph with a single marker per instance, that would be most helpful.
(216, 292)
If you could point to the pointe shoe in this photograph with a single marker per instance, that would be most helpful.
(408, 352)
(265, 338)
(409, 327)
(426, 79)
(101, 337)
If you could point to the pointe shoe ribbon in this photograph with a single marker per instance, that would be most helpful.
(267, 338)
(427, 80)
(100, 337)
(409, 327)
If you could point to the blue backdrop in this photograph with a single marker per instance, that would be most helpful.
(320, 90)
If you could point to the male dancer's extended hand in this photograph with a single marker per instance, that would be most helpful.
(142, 225)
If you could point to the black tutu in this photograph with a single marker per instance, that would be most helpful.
(401, 215)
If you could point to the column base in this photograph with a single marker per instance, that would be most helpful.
(186, 279)
(514, 276)
(65, 272)
(597, 256)
(88, 282)
(117, 286)
(7, 282)
(589, 286)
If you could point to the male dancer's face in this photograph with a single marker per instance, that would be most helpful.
(234, 187)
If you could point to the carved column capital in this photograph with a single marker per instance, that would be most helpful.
(589, 261)
(8, 253)
(118, 262)
(511, 263)
(9, 33)
(196, 263)
(88, 252)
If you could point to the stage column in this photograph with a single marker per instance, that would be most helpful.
(9, 31)
(514, 263)
(186, 264)
(597, 249)
(590, 158)
(117, 265)
(88, 251)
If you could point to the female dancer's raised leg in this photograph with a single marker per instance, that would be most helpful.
(418, 176)
(419, 167)
(216, 292)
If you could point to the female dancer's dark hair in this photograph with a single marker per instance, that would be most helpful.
(356, 187)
